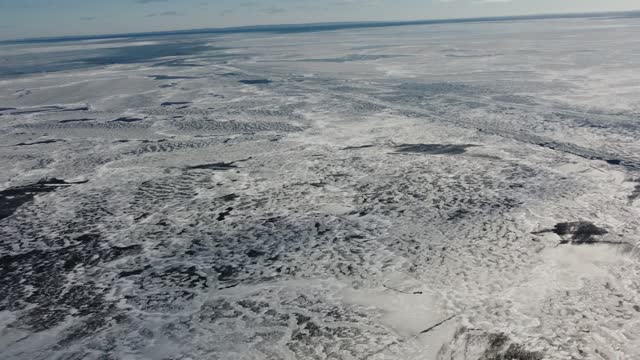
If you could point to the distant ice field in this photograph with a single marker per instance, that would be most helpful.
(436, 191)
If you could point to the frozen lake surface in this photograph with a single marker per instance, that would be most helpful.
(434, 191)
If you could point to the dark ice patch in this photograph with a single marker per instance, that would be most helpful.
(74, 120)
(498, 350)
(458, 214)
(52, 108)
(179, 276)
(635, 194)
(136, 272)
(471, 55)
(170, 77)
(588, 154)
(433, 149)
(358, 147)
(176, 63)
(12, 198)
(223, 215)
(82, 108)
(39, 110)
(354, 57)
(219, 166)
(255, 253)
(127, 119)
(234, 127)
(35, 285)
(515, 99)
(51, 141)
(225, 272)
(469, 343)
(255, 82)
(6, 109)
(579, 232)
(229, 197)
(172, 103)
(434, 88)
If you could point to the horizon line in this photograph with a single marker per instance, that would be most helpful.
(315, 27)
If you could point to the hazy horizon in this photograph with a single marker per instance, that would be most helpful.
(314, 27)
(59, 18)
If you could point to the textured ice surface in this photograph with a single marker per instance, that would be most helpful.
(451, 191)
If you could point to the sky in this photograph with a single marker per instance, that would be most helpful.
(48, 18)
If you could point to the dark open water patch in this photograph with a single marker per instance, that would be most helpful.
(144, 53)
(13, 198)
(6, 109)
(433, 149)
(219, 166)
(51, 141)
(55, 61)
(127, 119)
(255, 82)
(74, 120)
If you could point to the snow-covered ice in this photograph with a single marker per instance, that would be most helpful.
(445, 191)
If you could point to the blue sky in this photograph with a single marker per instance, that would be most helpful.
(44, 18)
